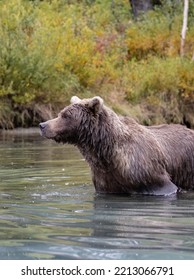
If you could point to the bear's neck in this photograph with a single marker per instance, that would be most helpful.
(97, 141)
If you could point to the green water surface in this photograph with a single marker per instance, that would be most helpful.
(49, 209)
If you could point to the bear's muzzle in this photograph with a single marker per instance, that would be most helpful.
(42, 127)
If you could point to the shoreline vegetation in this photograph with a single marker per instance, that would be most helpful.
(52, 50)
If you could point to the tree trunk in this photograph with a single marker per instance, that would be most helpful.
(142, 6)
(184, 28)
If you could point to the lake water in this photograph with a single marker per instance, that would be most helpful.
(49, 209)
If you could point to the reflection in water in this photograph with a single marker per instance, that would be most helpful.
(49, 209)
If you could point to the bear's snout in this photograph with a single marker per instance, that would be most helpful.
(47, 129)
(42, 125)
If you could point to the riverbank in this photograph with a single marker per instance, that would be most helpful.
(51, 50)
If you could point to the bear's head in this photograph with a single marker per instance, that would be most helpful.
(74, 121)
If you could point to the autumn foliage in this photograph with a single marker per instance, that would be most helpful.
(51, 50)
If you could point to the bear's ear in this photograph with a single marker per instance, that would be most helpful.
(95, 104)
(75, 99)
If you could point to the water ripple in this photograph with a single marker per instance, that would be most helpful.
(49, 210)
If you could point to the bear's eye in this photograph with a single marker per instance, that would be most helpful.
(66, 115)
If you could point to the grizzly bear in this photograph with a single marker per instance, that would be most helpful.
(125, 157)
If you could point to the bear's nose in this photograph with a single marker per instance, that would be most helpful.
(42, 125)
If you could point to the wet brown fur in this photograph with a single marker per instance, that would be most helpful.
(124, 156)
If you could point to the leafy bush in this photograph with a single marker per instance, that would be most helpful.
(51, 50)
(163, 85)
(28, 71)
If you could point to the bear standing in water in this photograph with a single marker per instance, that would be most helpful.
(124, 156)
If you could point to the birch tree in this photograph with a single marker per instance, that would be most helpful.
(184, 27)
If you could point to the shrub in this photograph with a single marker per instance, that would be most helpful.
(51, 50)
(163, 85)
